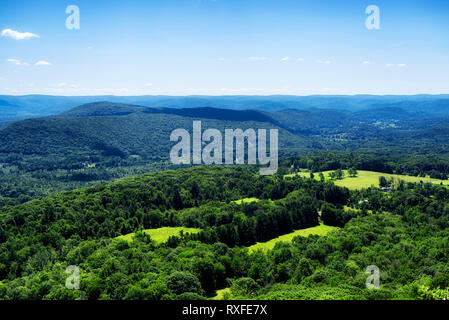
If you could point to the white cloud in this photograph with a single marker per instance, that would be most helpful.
(365, 62)
(400, 65)
(221, 59)
(17, 62)
(67, 85)
(18, 35)
(148, 84)
(329, 90)
(257, 58)
(323, 61)
(300, 59)
(42, 63)
(284, 59)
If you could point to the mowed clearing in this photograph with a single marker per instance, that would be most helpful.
(366, 179)
(320, 230)
(161, 235)
(246, 200)
(220, 294)
(250, 200)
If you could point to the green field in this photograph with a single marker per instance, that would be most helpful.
(365, 179)
(161, 235)
(220, 294)
(246, 200)
(320, 230)
(250, 200)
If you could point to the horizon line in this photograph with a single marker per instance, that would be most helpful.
(231, 95)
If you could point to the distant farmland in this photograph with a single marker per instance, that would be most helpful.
(366, 179)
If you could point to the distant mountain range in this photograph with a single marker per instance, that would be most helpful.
(104, 129)
(29, 106)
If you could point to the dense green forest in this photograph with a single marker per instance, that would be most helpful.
(103, 141)
(404, 233)
(72, 184)
(100, 142)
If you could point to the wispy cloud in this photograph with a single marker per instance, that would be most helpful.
(67, 85)
(323, 61)
(284, 59)
(42, 63)
(257, 58)
(300, 59)
(365, 62)
(17, 62)
(148, 84)
(329, 90)
(399, 65)
(221, 59)
(18, 35)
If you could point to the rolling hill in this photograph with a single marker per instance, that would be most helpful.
(121, 130)
(101, 141)
(21, 107)
(95, 131)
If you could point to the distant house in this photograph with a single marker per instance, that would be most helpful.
(386, 189)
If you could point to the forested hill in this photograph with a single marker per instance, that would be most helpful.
(102, 108)
(103, 129)
(117, 109)
(93, 131)
(105, 140)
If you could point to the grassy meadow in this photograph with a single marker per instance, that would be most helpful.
(220, 294)
(246, 200)
(366, 179)
(320, 230)
(161, 235)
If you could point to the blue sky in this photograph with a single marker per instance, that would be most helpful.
(221, 47)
